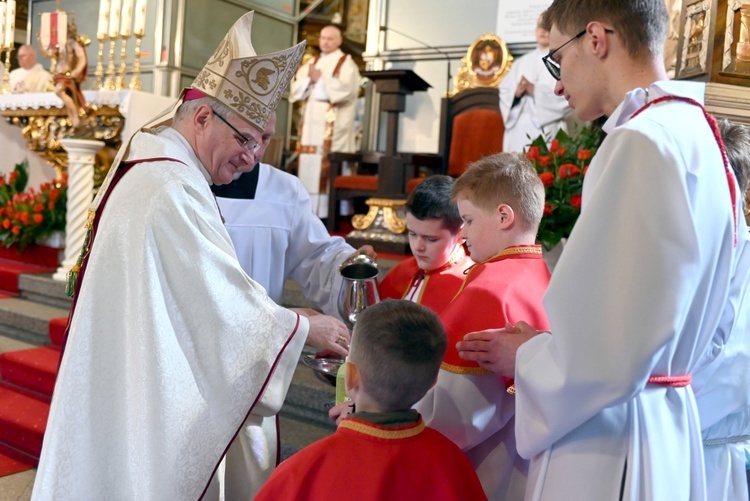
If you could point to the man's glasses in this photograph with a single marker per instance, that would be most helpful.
(244, 141)
(553, 66)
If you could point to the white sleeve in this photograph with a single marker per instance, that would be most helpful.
(313, 257)
(341, 89)
(299, 88)
(466, 408)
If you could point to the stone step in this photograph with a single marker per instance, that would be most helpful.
(41, 288)
(27, 321)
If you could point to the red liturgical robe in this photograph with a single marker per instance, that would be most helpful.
(469, 404)
(372, 462)
(440, 285)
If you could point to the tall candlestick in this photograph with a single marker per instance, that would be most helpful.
(2, 24)
(127, 18)
(103, 26)
(10, 22)
(139, 29)
(114, 19)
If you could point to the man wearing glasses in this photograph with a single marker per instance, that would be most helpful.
(604, 404)
(171, 347)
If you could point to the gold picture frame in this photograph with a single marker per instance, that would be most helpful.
(735, 55)
(696, 41)
(486, 62)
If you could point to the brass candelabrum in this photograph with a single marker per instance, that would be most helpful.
(5, 89)
(120, 82)
(135, 80)
(99, 72)
(109, 83)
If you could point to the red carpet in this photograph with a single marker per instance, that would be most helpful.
(9, 465)
(27, 377)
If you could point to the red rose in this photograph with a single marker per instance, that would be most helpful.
(545, 160)
(554, 145)
(38, 218)
(51, 206)
(547, 209)
(568, 170)
(6, 223)
(24, 217)
(38, 207)
(575, 201)
(54, 194)
(547, 179)
(584, 154)
(560, 151)
(16, 230)
(533, 153)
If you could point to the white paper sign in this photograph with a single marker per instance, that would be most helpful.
(516, 21)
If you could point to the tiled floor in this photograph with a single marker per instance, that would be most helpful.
(15, 487)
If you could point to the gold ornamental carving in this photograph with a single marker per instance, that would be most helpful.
(485, 64)
(43, 129)
(388, 209)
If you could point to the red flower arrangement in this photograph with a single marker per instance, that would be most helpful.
(562, 164)
(26, 216)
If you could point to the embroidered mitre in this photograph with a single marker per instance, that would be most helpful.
(249, 84)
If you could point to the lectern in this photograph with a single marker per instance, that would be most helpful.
(383, 227)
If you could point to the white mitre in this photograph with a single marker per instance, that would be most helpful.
(249, 84)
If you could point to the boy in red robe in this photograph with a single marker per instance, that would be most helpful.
(383, 450)
(501, 200)
(434, 274)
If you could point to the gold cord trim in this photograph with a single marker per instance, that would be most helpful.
(457, 369)
(391, 434)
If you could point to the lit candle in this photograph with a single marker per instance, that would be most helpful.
(114, 19)
(103, 26)
(127, 18)
(140, 18)
(10, 23)
(2, 23)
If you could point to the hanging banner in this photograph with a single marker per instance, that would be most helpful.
(516, 21)
(53, 30)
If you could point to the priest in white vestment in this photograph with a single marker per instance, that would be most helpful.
(30, 76)
(171, 346)
(604, 405)
(527, 99)
(328, 85)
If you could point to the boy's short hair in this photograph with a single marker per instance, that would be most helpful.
(504, 178)
(431, 199)
(736, 139)
(640, 24)
(398, 347)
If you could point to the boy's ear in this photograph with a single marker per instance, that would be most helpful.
(351, 378)
(505, 215)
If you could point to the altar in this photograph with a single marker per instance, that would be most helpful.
(36, 122)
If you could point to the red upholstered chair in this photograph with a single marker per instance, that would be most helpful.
(471, 127)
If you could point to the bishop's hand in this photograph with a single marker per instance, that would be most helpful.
(495, 349)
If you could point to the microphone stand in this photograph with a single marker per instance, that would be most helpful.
(444, 54)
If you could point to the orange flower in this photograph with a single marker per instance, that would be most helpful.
(545, 160)
(554, 146)
(584, 154)
(54, 194)
(575, 201)
(38, 207)
(568, 170)
(533, 153)
(560, 151)
(547, 178)
(16, 230)
(38, 218)
(6, 223)
(24, 217)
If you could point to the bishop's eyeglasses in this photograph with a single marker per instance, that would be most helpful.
(244, 141)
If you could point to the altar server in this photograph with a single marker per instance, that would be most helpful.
(604, 406)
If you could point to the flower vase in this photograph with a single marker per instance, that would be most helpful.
(56, 240)
(553, 255)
